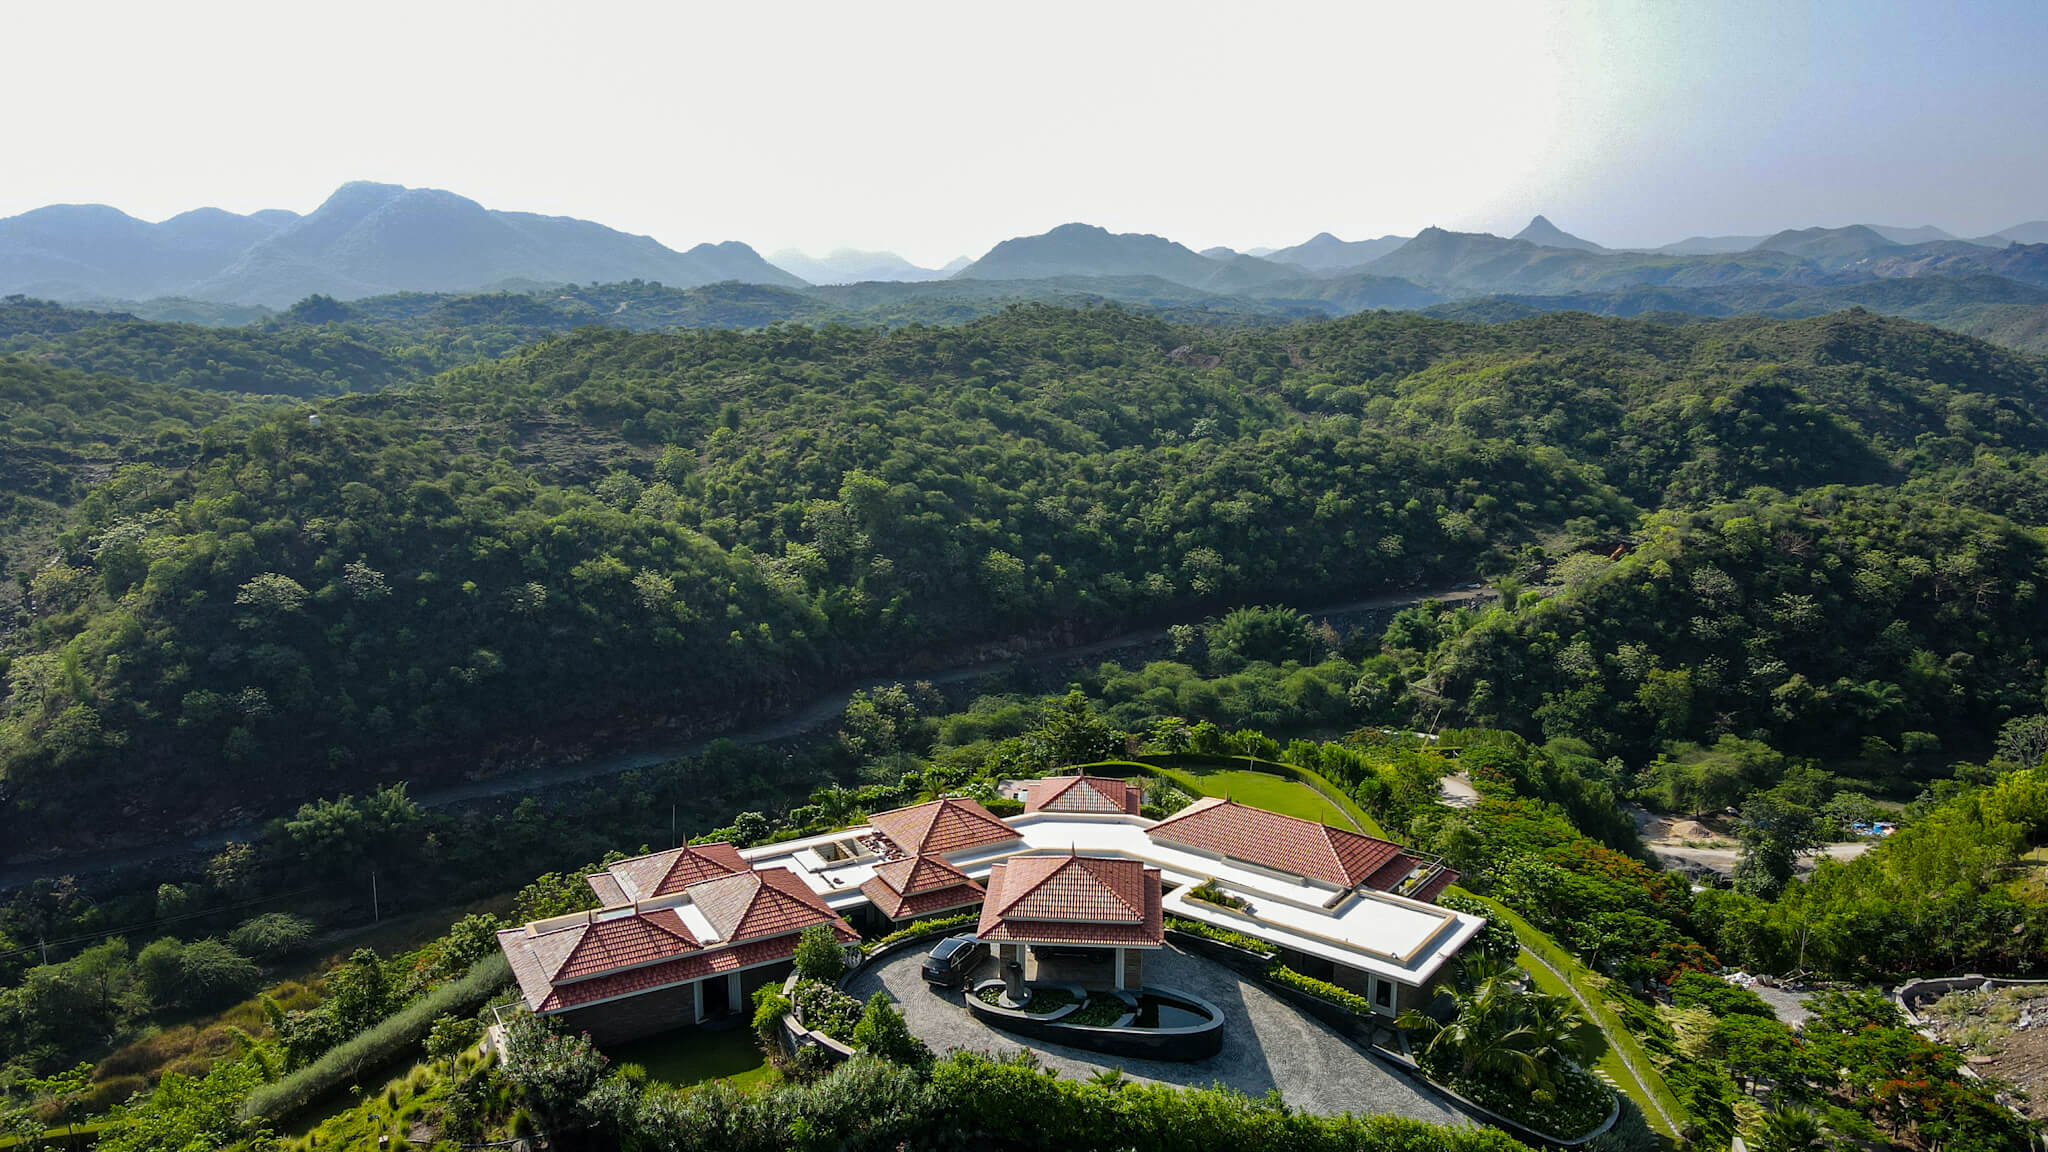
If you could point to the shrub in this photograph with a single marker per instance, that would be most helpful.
(554, 1070)
(770, 1006)
(1210, 892)
(823, 1008)
(926, 927)
(1695, 989)
(882, 1032)
(1250, 944)
(1497, 940)
(271, 935)
(1287, 977)
(818, 955)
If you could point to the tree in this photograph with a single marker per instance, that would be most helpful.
(818, 955)
(551, 1068)
(1774, 831)
(452, 1035)
(2024, 741)
(271, 935)
(1274, 635)
(1791, 1130)
(1070, 732)
(1503, 1034)
(882, 1032)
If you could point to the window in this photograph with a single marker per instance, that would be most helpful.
(1383, 994)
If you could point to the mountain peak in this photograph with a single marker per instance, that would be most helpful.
(1542, 233)
(366, 238)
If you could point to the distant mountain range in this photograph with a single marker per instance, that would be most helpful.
(367, 239)
(847, 266)
(378, 239)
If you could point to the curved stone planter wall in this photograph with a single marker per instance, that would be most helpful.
(1195, 1042)
(795, 1035)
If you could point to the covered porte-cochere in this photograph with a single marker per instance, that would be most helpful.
(1074, 920)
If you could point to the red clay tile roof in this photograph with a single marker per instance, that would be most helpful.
(1072, 900)
(768, 902)
(1434, 887)
(693, 967)
(917, 874)
(667, 873)
(897, 906)
(1390, 875)
(1283, 843)
(604, 945)
(535, 957)
(937, 827)
(1082, 794)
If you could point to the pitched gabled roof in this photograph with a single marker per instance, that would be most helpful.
(667, 873)
(606, 885)
(917, 886)
(1282, 843)
(600, 945)
(1072, 900)
(914, 875)
(1082, 794)
(1435, 885)
(540, 996)
(940, 826)
(768, 902)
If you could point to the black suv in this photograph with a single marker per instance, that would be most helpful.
(951, 959)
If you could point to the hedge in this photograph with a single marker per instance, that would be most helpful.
(924, 928)
(1252, 944)
(1320, 989)
(376, 1045)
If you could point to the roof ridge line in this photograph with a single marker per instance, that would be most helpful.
(1138, 911)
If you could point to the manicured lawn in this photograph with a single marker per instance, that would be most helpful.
(690, 1056)
(1272, 793)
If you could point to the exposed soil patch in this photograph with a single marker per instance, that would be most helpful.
(2004, 1032)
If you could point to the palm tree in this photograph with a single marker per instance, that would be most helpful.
(1502, 1033)
(1791, 1130)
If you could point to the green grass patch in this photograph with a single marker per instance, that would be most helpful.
(1281, 788)
(694, 1056)
(1287, 797)
(1648, 1090)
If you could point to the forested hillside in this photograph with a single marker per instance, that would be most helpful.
(611, 529)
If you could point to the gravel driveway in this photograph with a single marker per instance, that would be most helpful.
(1267, 1045)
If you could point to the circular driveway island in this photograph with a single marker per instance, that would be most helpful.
(1266, 1043)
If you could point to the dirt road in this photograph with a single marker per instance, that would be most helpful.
(820, 715)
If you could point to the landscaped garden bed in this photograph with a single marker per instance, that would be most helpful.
(1152, 1024)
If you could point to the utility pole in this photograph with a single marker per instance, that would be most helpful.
(672, 842)
(376, 910)
(45, 945)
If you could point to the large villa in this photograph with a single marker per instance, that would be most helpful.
(685, 936)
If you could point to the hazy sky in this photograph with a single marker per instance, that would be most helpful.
(938, 129)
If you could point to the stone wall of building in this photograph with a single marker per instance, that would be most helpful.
(670, 1008)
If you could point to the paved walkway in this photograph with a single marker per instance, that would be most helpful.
(1267, 1044)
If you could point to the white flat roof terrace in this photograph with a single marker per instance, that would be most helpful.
(1390, 936)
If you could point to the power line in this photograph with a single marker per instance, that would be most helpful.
(45, 945)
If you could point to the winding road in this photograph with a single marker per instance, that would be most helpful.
(821, 713)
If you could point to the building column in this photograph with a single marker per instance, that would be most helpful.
(1011, 957)
(697, 999)
(733, 999)
(1130, 969)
